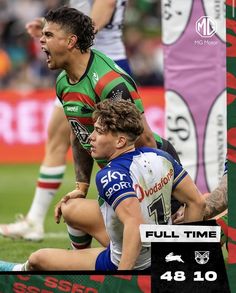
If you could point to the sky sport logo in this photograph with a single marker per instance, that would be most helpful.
(205, 26)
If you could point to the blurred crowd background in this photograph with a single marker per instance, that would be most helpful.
(23, 66)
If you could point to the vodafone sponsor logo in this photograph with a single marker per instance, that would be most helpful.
(142, 193)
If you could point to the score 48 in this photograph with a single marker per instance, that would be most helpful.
(198, 276)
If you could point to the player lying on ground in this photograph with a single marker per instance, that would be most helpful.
(134, 188)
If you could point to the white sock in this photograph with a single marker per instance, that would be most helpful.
(18, 267)
(79, 239)
(49, 181)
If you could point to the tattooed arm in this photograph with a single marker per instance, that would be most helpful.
(217, 200)
(146, 138)
(83, 164)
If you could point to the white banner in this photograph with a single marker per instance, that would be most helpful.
(179, 233)
(193, 34)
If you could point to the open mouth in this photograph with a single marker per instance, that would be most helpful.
(92, 148)
(47, 54)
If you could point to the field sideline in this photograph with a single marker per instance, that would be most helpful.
(17, 189)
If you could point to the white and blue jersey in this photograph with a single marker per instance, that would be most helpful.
(109, 40)
(149, 174)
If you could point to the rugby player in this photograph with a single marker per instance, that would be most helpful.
(135, 187)
(88, 77)
(108, 15)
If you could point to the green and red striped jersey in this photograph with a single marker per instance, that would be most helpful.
(103, 79)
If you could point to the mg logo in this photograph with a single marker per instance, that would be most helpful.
(205, 26)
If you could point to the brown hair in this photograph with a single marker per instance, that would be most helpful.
(119, 116)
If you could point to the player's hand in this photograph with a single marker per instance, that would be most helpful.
(34, 27)
(178, 217)
(206, 194)
(71, 195)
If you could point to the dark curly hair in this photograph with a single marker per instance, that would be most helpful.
(75, 22)
(119, 116)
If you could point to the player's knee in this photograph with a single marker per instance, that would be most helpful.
(74, 212)
(37, 260)
(68, 209)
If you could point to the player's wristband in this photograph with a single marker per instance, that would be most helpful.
(82, 186)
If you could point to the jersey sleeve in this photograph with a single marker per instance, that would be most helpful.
(114, 186)
(111, 82)
(60, 85)
(124, 90)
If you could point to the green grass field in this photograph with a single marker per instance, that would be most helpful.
(17, 190)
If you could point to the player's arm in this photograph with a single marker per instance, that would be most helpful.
(129, 213)
(34, 27)
(146, 138)
(217, 200)
(101, 12)
(187, 192)
(83, 164)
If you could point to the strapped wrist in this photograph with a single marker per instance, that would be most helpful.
(82, 186)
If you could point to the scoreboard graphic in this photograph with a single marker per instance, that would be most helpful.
(186, 258)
